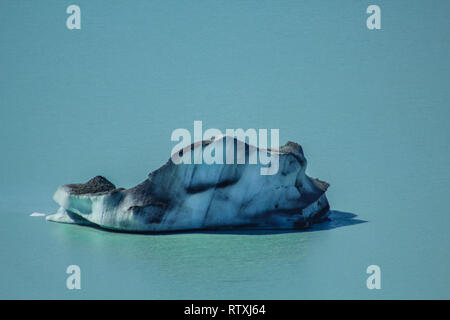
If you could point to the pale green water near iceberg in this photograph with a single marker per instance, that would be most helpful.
(370, 109)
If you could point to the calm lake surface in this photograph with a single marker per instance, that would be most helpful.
(370, 109)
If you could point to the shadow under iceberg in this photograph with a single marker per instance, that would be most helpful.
(337, 219)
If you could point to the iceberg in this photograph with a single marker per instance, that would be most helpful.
(37, 214)
(180, 197)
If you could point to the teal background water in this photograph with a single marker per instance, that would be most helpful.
(370, 109)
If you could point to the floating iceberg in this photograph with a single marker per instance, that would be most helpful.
(37, 214)
(202, 196)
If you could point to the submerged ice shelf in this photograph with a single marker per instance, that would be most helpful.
(202, 196)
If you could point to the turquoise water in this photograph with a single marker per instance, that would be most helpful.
(370, 109)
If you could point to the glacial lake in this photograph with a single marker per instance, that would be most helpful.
(369, 107)
(328, 261)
